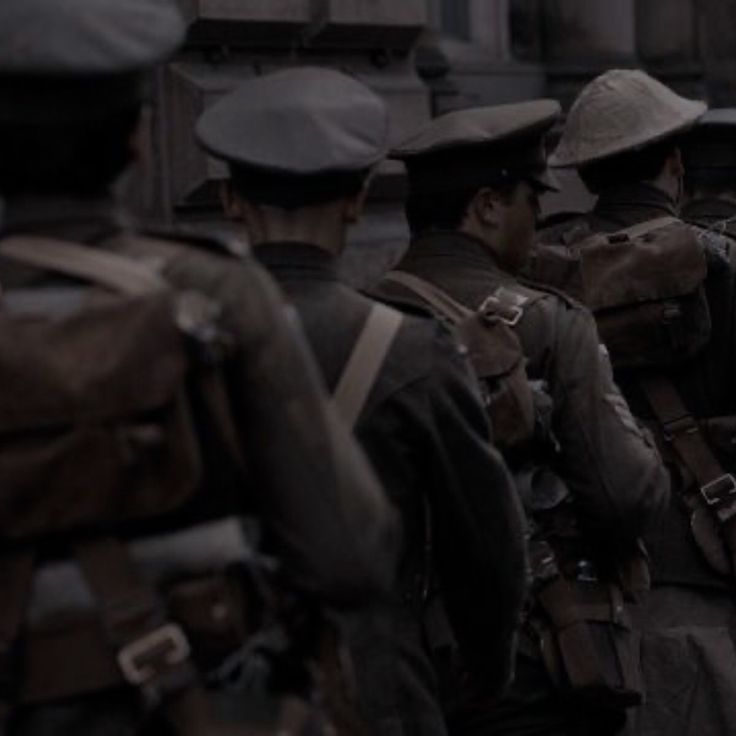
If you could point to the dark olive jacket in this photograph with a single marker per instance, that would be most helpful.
(705, 383)
(426, 433)
(612, 470)
(308, 476)
(317, 501)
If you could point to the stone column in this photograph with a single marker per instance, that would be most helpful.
(666, 32)
(717, 22)
(489, 26)
(590, 31)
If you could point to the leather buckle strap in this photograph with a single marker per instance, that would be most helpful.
(682, 425)
(144, 658)
(493, 307)
(720, 495)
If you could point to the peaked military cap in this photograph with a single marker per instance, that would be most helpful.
(298, 136)
(481, 146)
(711, 145)
(86, 37)
(63, 60)
(622, 110)
(301, 121)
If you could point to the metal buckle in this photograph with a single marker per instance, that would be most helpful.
(717, 490)
(142, 659)
(516, 312)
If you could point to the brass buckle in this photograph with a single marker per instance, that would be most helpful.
(514, 313)
(143, 658)
(719, 489)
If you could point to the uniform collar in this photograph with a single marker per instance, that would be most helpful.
(628, 205)
(451, 244)
(78, 220)
(295, 259)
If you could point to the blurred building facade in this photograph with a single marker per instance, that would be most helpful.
(424, 57)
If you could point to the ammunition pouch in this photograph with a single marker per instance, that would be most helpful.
(583, 634)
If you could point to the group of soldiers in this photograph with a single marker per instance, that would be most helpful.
(493, 494)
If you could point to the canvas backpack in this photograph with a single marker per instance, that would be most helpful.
(112, 416)
(645, 286)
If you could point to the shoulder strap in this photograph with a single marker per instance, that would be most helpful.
(504, 304)
(715, 489)
(111, 270)
(438, 299)
(643, 228)
(365, 361)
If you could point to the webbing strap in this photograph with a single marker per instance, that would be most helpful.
(643, 228)
(714, 487)
(438, 299)
(111, 270)
(365, 361)
(153, 653)
(503, 304)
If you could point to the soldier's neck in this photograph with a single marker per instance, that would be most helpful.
(324, 229)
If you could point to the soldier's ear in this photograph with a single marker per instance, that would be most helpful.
(231, 203)
(486, 204)
(355, 205)
(675, 164)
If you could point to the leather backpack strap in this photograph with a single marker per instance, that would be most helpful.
(435, 297)
(503, 304)
(88, 263)
(643, 228)
(365, 361)
(714, 487)
(152, 652)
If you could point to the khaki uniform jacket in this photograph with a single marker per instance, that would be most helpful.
(425, 430)
(706, 383)
(688, 621)
(610, 467)
(318, 502)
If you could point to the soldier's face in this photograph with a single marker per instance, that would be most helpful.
(518, 225)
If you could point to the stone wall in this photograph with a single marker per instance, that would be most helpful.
(424, 57)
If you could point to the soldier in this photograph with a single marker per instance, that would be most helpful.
(709, 155)
(300, 145)
(474, 180)
(100, 461)
(663, 293)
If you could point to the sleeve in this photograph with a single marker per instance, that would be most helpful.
(333, 526)
(610, 464)
(480, 527)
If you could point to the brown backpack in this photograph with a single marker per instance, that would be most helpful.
(644, 285)
(99, 418)
(494, 352)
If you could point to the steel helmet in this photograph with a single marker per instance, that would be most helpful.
(622, 110)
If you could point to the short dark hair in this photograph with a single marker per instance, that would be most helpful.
(445, 210)
(293, 191)
(627, 168)
(76, 158)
